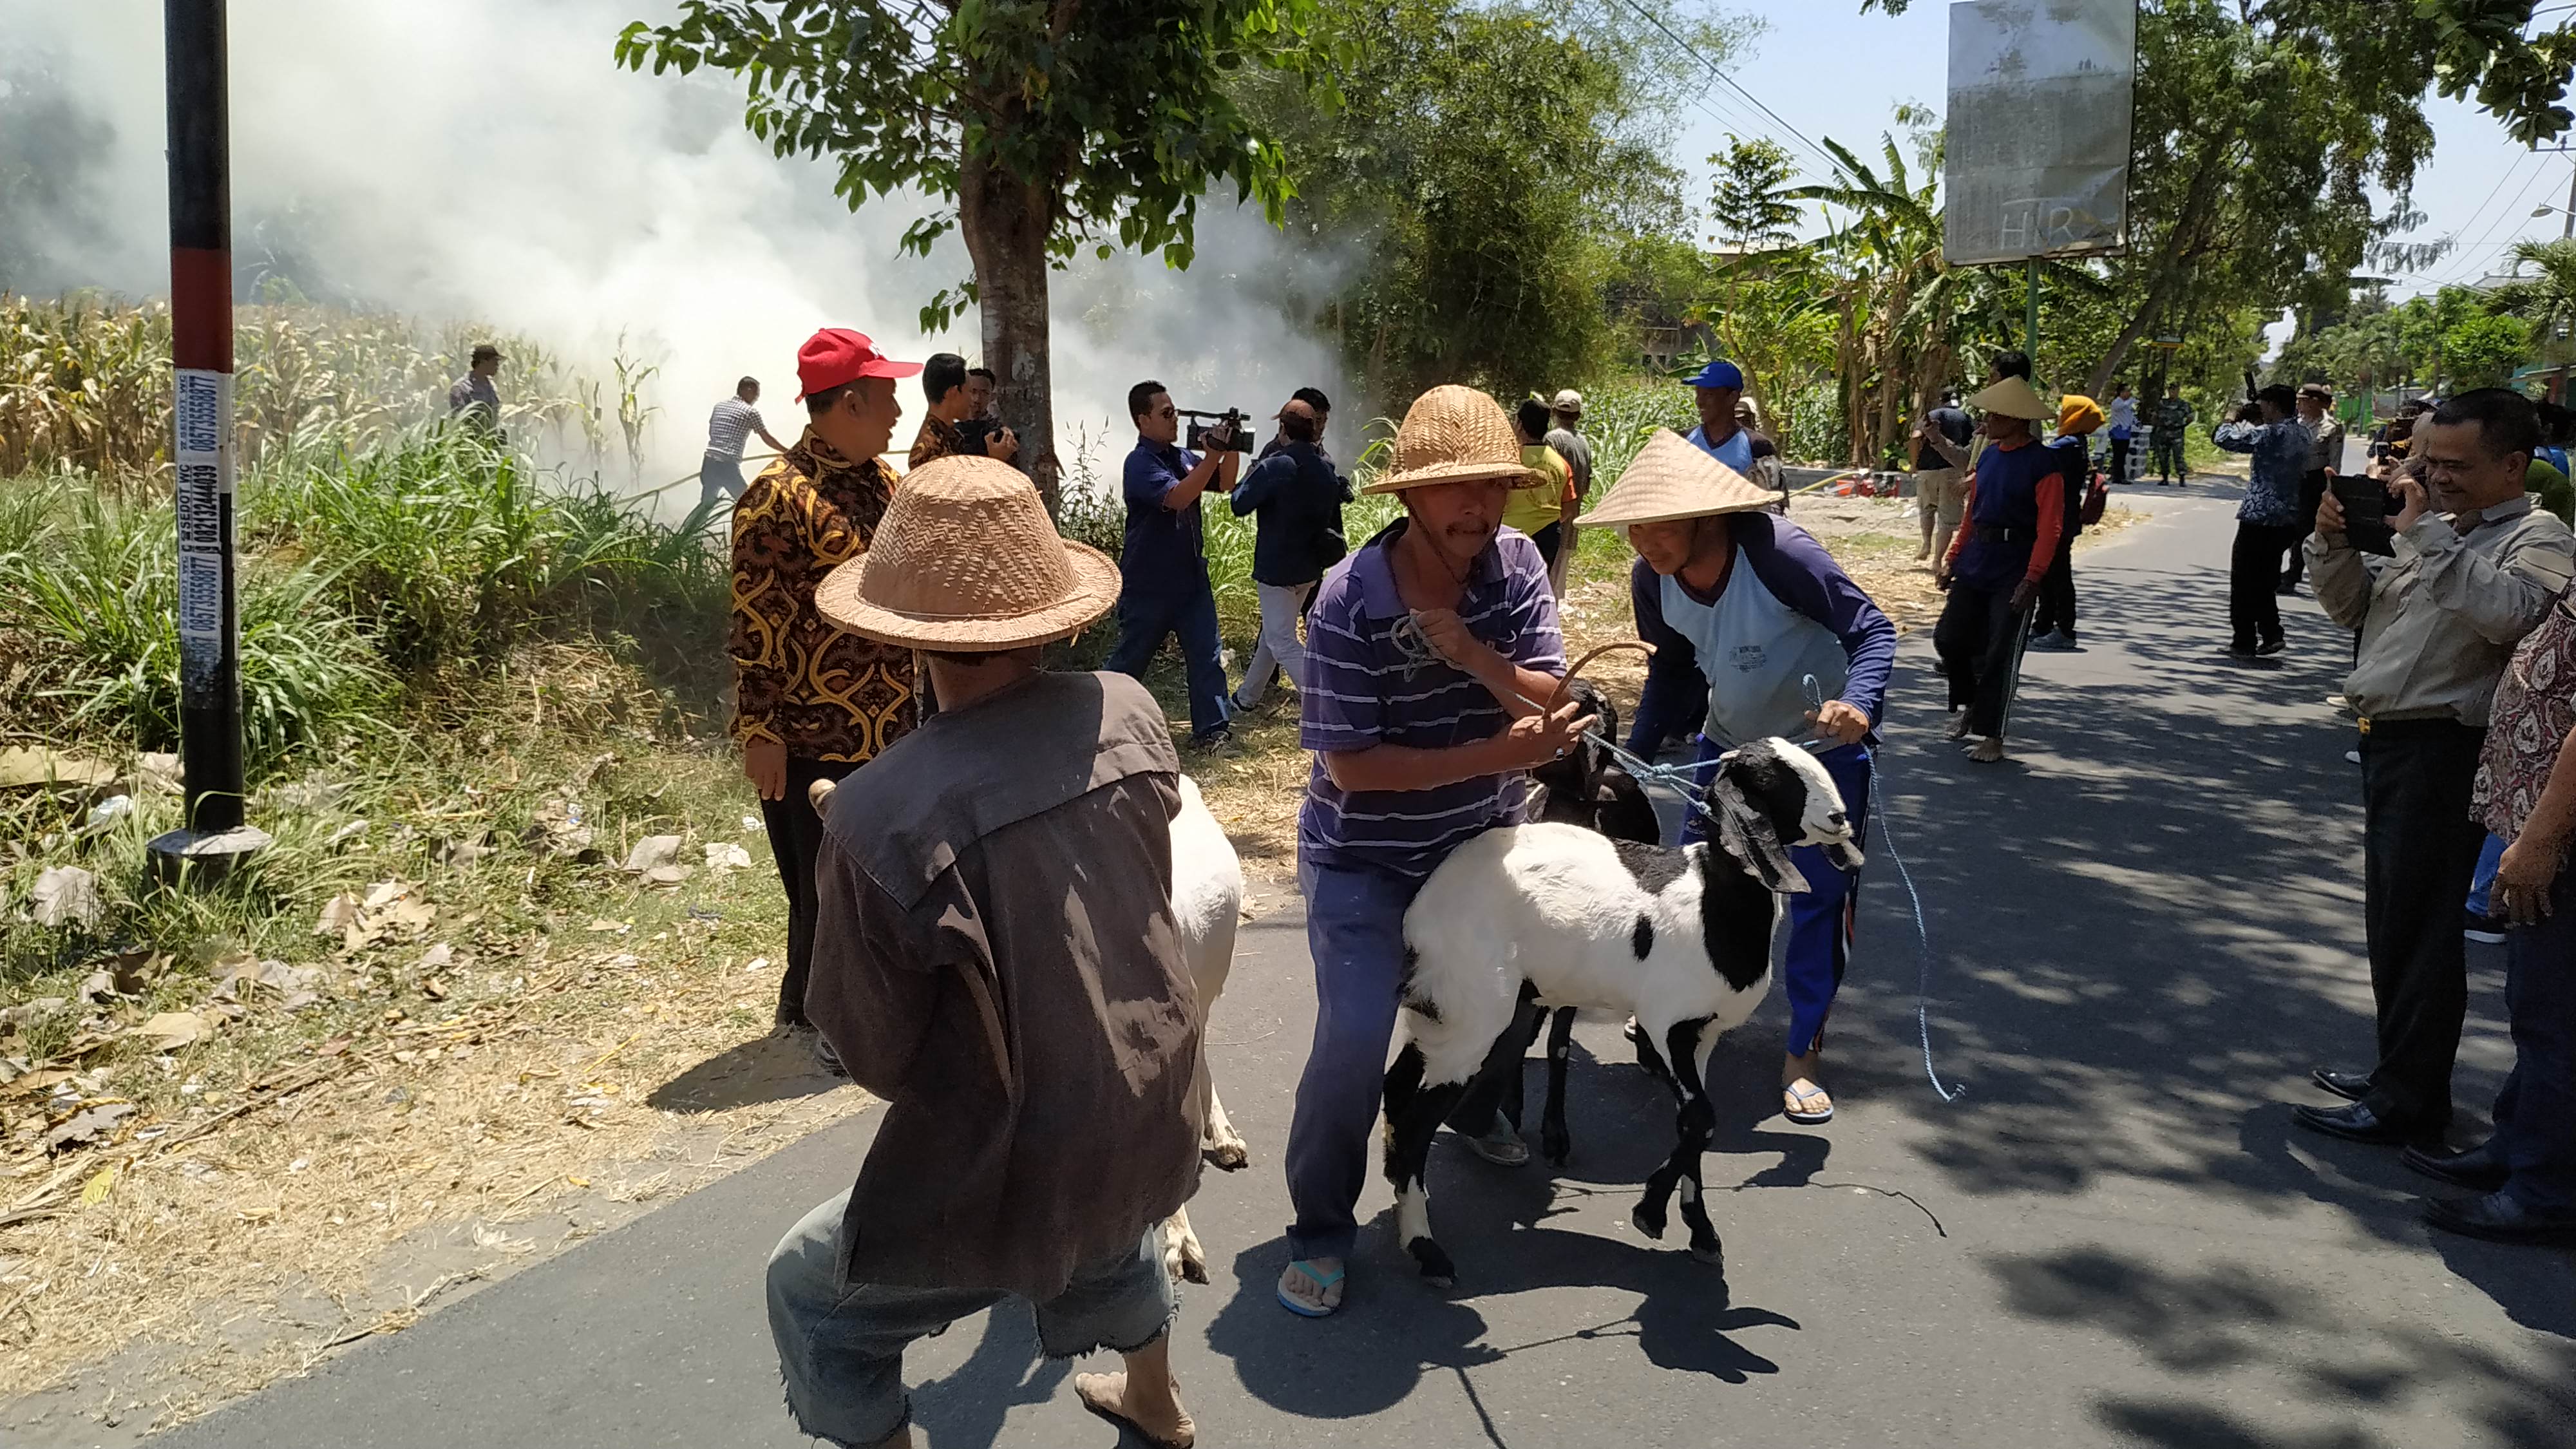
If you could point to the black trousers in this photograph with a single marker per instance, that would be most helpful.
(2419, 848)
(2056, 606)
(2535, 1115)
(2254, 583)
(1979, 642)
(1549, 540)
(2120, 460)
(796, 838)
(2312, 491)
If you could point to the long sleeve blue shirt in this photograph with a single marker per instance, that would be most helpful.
(2280, 461)
(1798, 571)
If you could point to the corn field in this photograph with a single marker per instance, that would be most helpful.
(85, 387)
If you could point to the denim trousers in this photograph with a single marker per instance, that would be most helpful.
(1355, 932)
(840, 1344)
(1823, 916)
(1147, 617)
(2482, 880)
(1280, 653)
(2535, 1115)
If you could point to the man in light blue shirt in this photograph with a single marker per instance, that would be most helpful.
(1719, 385)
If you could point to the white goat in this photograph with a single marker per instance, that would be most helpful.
(1561, 916)
(1207, 898)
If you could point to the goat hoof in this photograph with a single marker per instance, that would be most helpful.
(1228, 1156)
(1437, 1270)
(1194, 1269)
(1649, 1223)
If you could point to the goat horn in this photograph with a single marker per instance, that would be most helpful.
(1562, 685)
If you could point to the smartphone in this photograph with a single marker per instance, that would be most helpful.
(2367, 507)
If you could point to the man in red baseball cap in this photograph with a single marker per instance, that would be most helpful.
(810, 702)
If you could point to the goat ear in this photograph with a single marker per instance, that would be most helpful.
(1746, 834)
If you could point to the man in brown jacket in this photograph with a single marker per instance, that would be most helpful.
(998, 959)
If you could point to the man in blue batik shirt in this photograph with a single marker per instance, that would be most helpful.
(1719, 386)
(2267, 522)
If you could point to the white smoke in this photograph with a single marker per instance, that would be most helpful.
(485, 160)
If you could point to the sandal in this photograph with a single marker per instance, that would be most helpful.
(1794, 1100)
(1305, 1310)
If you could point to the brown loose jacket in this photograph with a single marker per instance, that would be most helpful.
(996, 957)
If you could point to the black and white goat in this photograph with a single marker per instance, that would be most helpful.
(1561, 916)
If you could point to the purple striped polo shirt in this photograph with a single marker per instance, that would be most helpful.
(1361, 688)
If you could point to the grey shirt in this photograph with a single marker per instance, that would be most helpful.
(2327, 449)
(1577, 453)
(2440, 619)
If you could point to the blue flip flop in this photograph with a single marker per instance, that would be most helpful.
(1806, 1116)
(1320, 1281)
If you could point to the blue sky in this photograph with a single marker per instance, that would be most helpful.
(1828, 70)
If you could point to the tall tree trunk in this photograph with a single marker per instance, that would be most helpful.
(1006, 222)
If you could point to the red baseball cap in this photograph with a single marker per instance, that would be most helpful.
(837, 355)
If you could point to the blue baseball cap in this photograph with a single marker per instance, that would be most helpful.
(1720, 374)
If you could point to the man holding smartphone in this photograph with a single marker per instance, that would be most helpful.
(2474, 566)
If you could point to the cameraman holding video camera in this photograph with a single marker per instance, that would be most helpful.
(954, 425)
(2470, 567)
(1164, 587)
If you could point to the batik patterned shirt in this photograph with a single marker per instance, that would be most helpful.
(798, 681)
(2535, 708)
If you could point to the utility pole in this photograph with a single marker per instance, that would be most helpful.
(213, 837)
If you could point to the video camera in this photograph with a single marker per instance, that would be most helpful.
(1238, 437)
(975, 436)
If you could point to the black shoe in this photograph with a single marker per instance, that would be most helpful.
(2287, 591)
(2351, 1086)
(2476, 1169)
(2240, 651)
(2271, 646)
(2500, 1218)
(2360, 1123)
(2485, 930)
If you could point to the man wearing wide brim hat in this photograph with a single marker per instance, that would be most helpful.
(1719, 578)
(986, 885)
(2016, 509)
(1429, 654)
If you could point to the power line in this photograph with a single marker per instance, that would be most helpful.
(2501, 218)
(2491, 195)
(1729, 82)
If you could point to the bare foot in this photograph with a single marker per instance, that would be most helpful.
(1158, 1416)
(1314, 1284)
(1988, 750)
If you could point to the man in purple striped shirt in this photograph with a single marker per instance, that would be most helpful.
(1432, 654)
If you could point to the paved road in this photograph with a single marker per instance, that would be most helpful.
(2147, 932)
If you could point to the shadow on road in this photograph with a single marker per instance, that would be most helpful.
(2330, 1352)
(772, 1068)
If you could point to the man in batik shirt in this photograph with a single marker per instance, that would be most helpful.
(810, 702)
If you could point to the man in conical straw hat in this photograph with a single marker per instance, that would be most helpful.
(984, 887)
(1430, 653)
(2016, 509)
(1743, 608)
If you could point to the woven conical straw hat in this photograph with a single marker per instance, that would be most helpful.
(966, 559)
(1672, 477)
(1452, 434)
(2014, 399)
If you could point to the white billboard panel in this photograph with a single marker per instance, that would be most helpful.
(2037, 160)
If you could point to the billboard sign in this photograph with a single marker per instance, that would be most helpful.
(2037, 161)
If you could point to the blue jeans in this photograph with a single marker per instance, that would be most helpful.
(2489, 857)
(2535, 1115)
(1821, 918)
(1355, 931)
(1146, 618)
(840, 1344)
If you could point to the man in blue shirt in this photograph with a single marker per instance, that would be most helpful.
(2267, 522)
(1719, 385)
(1165, 589)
